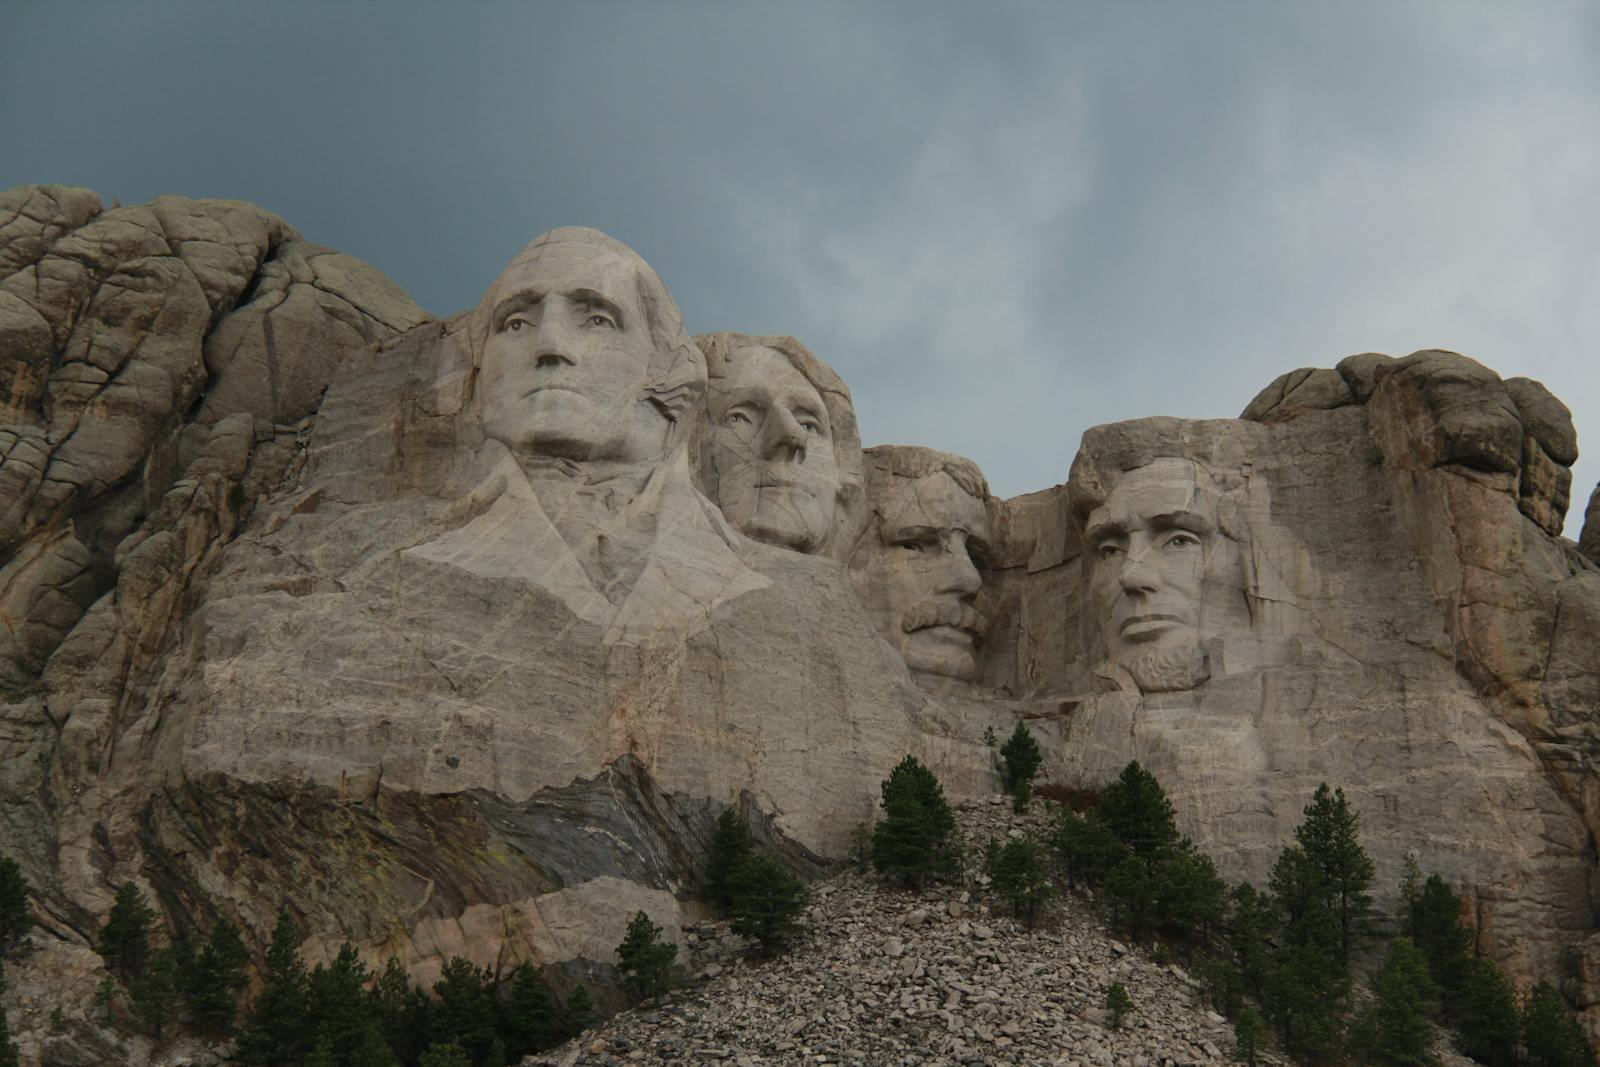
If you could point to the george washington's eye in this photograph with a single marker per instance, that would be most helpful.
(736, 418)
(515, 324)
(599, 320)
(1109, 550)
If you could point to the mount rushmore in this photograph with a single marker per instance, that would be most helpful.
(457, 635)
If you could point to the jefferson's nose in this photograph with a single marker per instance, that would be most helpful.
(785, 437)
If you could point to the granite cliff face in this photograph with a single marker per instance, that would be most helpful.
(458, 635)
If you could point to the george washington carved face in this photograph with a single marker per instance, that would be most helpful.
(578, 337)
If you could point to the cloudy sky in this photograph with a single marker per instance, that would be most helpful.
(1001, 222)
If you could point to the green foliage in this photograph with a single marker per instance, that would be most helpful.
(861, 846)
(402, 1010)
(729, 847)
(531, 1019)
(124, 941)
(276, 1033)
(1396, 1027)
(1191, 897)
(989, 737)
(1306, 990)
(1252, 922)
(1487, 1023)
(1022, 759)
(1222, 982)
(218, 978)
(1021, 877)
(465, 1013)
(578, 1013)
(1550, 1036)
(1431, 918)
(154, 993)
(1137, 812)
(1249, 1032)
(8, 1048)
(645, 958)
(338, 1007)
(768, 901)
(1131, 892)
(1087, 847)
(445, 1054)
(914, 843)
(1118, 1003)
(322, 1054)
(15, 919)
(105, 995)
(1340, 871)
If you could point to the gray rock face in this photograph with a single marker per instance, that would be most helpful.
(458, 636)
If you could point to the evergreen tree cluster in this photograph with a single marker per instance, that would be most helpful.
(915, 841)
(755, 890)
(15, 922)
(342, 1013)
(1021, 758)
(1155, 879)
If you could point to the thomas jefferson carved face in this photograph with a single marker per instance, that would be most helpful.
(1155, 548)
(923, 582)
(773, 449)
(566, 358)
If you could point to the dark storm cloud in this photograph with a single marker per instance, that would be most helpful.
(1002, 224)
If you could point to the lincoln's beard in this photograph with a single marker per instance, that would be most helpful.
(1169, 667)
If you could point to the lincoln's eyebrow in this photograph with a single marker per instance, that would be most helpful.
(1192, 521)
(518, 301)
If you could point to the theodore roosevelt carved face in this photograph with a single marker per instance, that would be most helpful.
(920, 575)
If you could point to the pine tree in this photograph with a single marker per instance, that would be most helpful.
(105, 996)
(374, 1050)
(1550, 1036)
(218, 978)
(1305, 995)
(15, 919)
(1248, 1034)
(767, 902)
(124, 941)
(322, 1054)
(1252, 923)
(8, 1048)
(1191, 898)
(445, 1054)
(1487, 1024)
(1330, 838)
(1118, 1003)
(1022, 759)
(154, 993)
(465, 1012)
(1135, 808)
(729, 847)
(338, 1006)
(1131, 892)
(913, 843)
(402, 1010)
(645, 958)
(1432, 919)
(276, 1033)
(578, 1013)
(531, 1021)
(1396, 1027)
(1019, 874)
(1087, 847)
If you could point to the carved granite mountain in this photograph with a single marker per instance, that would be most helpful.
(457, 636)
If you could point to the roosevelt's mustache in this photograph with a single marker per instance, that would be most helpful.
(926, 613)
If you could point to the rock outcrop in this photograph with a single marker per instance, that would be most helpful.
(457, 636)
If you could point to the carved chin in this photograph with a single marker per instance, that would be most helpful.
(1167, 668)
(941, 652)
(790, 518)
